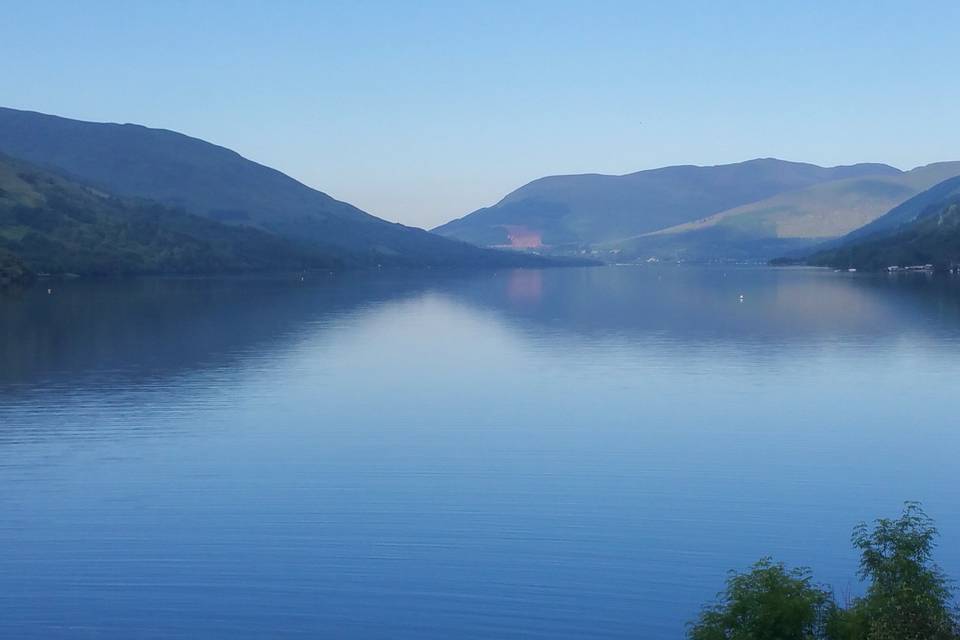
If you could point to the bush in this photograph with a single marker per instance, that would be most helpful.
(770, 602)
(908, 597)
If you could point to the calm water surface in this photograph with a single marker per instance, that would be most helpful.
(577, 453)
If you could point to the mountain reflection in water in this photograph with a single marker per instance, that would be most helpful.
(516, 454)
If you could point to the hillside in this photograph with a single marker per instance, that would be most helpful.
(790, 221)
(216, 183)
(12, 270)
(932, 237)
(908, 211)
(55, 225)
(593, 209)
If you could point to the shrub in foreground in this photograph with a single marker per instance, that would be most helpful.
(769, 602)
(908, 597)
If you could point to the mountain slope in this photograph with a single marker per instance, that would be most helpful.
(12, 270)
(55, 225)
(908, 211)
(211, 181)
(933, 237)
(792, 220)
(593, 208)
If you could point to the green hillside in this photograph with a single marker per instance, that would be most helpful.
(212, 182)
(789, 221)
(908, 211)
(12, 270)
(932, 238)
(55, 225)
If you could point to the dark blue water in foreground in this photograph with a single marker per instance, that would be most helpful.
(576, 453)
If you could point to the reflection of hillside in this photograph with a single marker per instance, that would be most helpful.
(525, 285)
(703, 304)
(140, 329)
(164, 326)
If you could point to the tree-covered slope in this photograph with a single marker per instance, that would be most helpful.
(590, 209)
(55, 225)
(908, 211)
(12, 270)
(216, 183)
(932, 238)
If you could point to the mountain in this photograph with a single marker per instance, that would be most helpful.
(51, 224)
(906, 212)
(789, 221)
(206, 180)
(593, 209)
(931, 237)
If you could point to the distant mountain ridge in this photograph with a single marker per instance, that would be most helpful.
(752, 210)
(594, 209)
(790, 221)
(216, 183)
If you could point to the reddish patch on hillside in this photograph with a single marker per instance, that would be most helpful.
(522, 237)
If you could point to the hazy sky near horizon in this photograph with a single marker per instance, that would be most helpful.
(421, 112)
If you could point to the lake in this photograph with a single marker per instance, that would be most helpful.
(571, 453)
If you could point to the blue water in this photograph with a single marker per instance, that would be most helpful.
(575, 453)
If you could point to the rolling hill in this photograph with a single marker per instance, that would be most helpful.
(789, 221)
(206, 180)
(594, 209)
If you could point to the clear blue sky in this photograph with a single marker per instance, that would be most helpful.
(423, 111)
